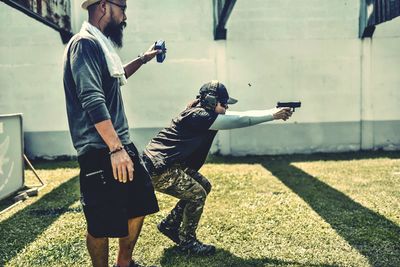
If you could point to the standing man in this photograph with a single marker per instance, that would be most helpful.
(116, 191)
(175, 155)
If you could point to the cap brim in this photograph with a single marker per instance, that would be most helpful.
(231, 101)
(88, 3)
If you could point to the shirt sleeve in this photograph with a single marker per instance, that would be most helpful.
(85, 61)
(240, 119)
(202, 120)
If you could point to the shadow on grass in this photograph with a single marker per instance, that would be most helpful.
(25, 226)
(374, 236)
(173, 257)
(359, 155)
(54, 164)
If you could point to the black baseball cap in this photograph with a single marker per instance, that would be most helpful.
(219, 90)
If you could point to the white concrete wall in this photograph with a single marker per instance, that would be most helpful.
(30, 71)
(309, 51)
(287, 50)
(159, 91)
(385, 84)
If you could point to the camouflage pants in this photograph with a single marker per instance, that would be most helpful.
(192, 189)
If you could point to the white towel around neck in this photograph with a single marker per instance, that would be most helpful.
(114, 63)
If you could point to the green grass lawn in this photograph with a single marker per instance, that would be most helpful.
(305, 210)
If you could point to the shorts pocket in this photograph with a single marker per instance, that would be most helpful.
(94, 187)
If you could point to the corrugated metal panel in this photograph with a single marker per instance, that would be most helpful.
(383, 10)
(54, 13)
(374, 12)
(222, 11)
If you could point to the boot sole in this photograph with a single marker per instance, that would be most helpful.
(205, 253)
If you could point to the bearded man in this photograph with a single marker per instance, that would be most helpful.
(116, 191)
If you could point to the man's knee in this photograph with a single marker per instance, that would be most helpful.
(197, 197)
(98, 240)
(137, 219)
(201, 180)
(207, 186)
(136, 222)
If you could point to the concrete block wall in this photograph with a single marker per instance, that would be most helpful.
(159, 91)
(384, 85)
(31, 82)
(31, 70)
(309, 51)
(287, 50)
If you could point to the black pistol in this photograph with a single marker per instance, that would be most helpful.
(292, 105)
(160, 45)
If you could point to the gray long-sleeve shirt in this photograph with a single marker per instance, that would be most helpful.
(91, 94)
(239, 119)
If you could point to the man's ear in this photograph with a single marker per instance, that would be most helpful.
(103, 6)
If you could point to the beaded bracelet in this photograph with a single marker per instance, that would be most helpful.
(115, 150)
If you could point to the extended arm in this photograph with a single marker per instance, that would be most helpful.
(132, 67)
(240, 119)
(135, 64)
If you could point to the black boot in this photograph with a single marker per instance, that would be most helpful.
(195, 247)
(169, 231)
(170, 225)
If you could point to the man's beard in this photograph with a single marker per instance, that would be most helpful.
(114, 31)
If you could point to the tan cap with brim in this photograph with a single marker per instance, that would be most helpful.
(87, 3)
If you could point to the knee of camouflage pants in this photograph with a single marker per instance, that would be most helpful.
(207, 186)
(195, 194)
(203, 181)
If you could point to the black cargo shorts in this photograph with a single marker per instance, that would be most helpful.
(107, 203)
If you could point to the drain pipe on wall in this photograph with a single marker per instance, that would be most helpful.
(366, 101)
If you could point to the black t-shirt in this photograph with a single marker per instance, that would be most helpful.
(186, 142)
